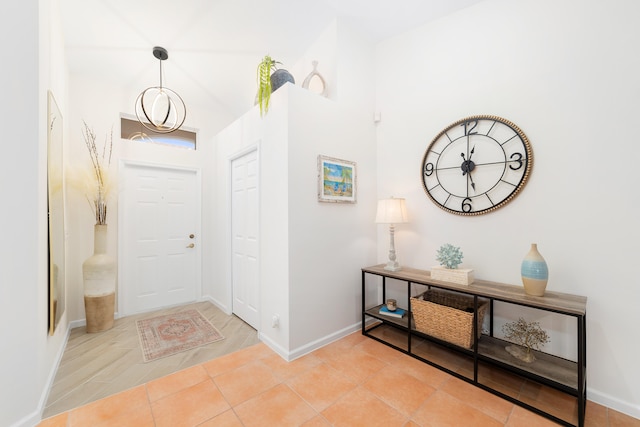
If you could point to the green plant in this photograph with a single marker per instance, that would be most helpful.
(265, 67)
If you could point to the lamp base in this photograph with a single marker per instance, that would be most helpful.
(393, 266)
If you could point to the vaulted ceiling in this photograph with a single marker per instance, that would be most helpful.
(215, 45)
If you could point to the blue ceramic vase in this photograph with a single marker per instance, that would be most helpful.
(535, 272)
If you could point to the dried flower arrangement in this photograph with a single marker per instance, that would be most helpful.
(527, 336)
(100, 160)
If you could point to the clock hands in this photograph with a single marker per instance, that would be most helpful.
(502, 162)
(473, 184)
(467, 166)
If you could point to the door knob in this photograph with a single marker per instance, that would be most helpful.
(191, 236)
(191, 245)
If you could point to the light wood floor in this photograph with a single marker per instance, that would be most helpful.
(98, 365)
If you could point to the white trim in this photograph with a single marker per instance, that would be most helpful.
(281, 351)
(613, 403)
(312, 346)
(35, 417)
(225, 309)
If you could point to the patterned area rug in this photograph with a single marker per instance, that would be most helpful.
(165, 335)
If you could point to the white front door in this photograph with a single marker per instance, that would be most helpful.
(244, 237)
(158, 231)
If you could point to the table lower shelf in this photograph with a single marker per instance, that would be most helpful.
(546, 367)
(504, 382)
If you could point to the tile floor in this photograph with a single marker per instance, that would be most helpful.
(355, 381)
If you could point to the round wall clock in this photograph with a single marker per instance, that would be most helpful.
(476, 165)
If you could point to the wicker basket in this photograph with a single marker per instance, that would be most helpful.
(447, 316)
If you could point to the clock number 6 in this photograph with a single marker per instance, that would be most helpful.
(466, 205)
(470, 130)
(518, 160)
(428, 169)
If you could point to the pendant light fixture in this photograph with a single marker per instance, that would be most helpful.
(158, 108)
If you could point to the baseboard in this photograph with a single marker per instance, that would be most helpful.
(310, 347)
(314, 345)
(274, 346)
(35, 418)
(77, 323)
(83, 322)
(218, 304)
(613, 403)
(29, 421)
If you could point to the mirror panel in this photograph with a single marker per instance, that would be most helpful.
(55, 208)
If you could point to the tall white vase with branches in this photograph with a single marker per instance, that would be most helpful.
(99, 270)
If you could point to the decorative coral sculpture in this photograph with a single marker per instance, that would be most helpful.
(527, 336)
(449, 256)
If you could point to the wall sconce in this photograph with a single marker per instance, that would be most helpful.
(159, 108)
(391, 211)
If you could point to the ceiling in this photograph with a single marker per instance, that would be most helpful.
(214, 45)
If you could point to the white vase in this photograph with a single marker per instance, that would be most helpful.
(99, 275)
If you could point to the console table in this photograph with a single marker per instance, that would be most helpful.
(487, 359)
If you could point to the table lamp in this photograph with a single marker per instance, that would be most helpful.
(391, 211)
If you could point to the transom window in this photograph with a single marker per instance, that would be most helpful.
(134, 131)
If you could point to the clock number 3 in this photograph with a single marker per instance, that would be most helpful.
(518, 160)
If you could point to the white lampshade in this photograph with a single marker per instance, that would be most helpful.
(391, 211)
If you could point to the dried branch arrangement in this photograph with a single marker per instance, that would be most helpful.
(528, 335)
(100, 159)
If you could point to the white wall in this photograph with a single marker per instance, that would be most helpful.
(23, 281)
(565, 73)
(100, 105)
(29, 353)
(311, 252)
(325, 51)
(329, 243)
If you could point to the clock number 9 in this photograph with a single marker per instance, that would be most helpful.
(518, 160)
(470, 130)
(428, 169)
(466, 205)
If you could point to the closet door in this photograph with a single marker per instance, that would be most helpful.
(244, 237)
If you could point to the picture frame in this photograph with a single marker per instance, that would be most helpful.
(337, 180)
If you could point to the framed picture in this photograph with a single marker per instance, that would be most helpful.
(336, 180)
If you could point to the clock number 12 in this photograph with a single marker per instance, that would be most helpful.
(469, 127)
